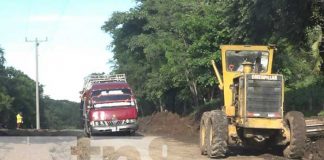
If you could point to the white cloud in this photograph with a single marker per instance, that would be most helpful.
(76, 44)
(43, 18)
(54, 18)
(62, 68)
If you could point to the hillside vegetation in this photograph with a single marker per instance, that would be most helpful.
(165, 48)
(17, 94)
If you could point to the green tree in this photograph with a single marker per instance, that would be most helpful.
(5, 99)
(61, 114)
(17, 94)
(22, 89)
(165, 47)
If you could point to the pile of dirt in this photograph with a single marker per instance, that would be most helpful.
(315, 150)
(169, 124)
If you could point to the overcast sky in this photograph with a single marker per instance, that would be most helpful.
(76, 44)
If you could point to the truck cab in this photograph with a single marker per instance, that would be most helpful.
(108, 105)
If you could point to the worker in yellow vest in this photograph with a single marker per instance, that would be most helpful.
(19, 120)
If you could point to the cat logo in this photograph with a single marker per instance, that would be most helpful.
(265, 77)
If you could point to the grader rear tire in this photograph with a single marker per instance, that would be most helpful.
(217, 134)
(296, 122)
(203, 133)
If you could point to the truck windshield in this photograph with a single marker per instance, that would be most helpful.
(234, 60)
(111, 91)
(118, 97)
(112, 97)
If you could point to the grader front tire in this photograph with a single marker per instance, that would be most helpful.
(296, 122)
(203, 133)
(217, 132)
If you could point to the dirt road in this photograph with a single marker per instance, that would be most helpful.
(45, 146)
(160, 137)
(160, 148)
(150, 147)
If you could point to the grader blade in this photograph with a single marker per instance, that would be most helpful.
(315, 126)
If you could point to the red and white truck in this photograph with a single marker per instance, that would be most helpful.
(108, 105)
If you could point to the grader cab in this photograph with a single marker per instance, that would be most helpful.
(253, 111)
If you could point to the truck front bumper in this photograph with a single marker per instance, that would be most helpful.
(119, 128)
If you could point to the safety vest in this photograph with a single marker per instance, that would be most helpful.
(19, 118)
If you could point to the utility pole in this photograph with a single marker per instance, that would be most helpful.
(36, 41)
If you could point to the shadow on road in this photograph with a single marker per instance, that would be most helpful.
(71, 132)
(42, 132)
(267, 153)
(119, 135)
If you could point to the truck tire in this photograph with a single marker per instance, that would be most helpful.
(296, 123)
(217, 134)
(131, 133)
(203, 133)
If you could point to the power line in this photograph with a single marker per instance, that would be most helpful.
(36, 41)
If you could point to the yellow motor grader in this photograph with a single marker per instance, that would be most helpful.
(253, 111)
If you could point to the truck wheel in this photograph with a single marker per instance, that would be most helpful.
(296, 123)
(217, 132)
(203, 133)
(131, 133)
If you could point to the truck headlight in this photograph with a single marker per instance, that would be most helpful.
(102, 116)
(95, 116)
(132, 121)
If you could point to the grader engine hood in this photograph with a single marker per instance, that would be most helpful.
(263, 95)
